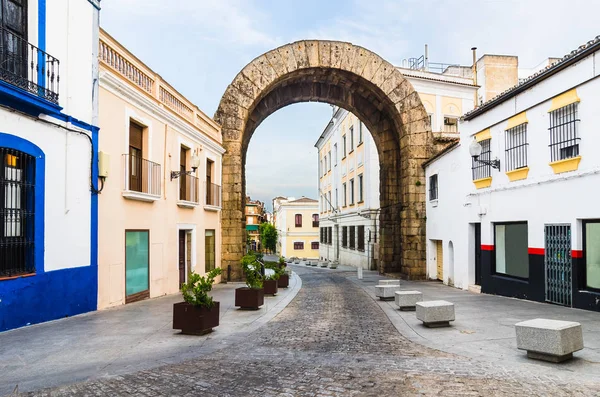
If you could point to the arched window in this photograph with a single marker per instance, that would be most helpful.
(17, 212)
(298, 220)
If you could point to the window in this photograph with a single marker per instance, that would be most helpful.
(361, 238)
(352, 238)
(591, 254)
(336, 198)
(135, 156)
(344, 147)
(450, 124)
(431, 120)
(360, 188)
(481, 170)
(17, 211)
(209, 250)
(345, 195)
(433, 187)
(360, 132)
(321, 234)
(183, 188)
(512, 257)
(330, 160)
(325, 165)
(298, 220)
(213, 191)
(516, 147)
(564, 135)
(329, 235)
(136, 265)
(335, 152)
(315, 219)
(344, 236)
(329, 194)
(352, 191)
(298, 245)
(14, 36)
(314, 245)
(351, 132)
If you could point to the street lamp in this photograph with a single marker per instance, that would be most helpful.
(195, 160)
(475, 151)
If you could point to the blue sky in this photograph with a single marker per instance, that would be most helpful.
(199, 46)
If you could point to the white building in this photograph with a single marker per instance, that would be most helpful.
(48, 160)
(529, 228)
(349, 167)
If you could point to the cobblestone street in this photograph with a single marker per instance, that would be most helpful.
(331, 340)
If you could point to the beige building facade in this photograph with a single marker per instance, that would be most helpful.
(160, 205)
(297, 224)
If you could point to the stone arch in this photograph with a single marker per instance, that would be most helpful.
(362, 82)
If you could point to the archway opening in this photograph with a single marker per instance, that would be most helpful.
(361, 82)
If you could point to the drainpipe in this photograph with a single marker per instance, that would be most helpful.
(474, 49)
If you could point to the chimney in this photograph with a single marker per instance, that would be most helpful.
(474, 49)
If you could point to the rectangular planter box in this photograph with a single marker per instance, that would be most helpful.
(284, 281)
(194, 320)
(248, 298)
(270, 287)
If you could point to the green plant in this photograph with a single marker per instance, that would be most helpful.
(418, 183)
(195, 291)
(251, 267)
(268, 236)
(282, 262)
(277, 269)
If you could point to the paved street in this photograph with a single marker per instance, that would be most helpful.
(331, 340)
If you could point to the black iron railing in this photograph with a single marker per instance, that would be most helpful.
(482, 170)
(142, 175)
(213, 194)
(516, 147)
(564, 134)
(17, 213)
(25, 66)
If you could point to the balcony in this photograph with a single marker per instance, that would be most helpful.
(29, 69)
(188, 192)
(142, 179)
(213, 197)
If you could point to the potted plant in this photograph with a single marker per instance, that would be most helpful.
(284, 277)
(198, 314)
(270, 284)
(252, 296)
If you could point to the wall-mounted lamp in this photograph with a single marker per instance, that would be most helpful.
(195, 160)
(475, 150)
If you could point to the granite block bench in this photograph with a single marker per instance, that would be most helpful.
(333, 265)
(435, 314)
(386, 292)
(390, 282)
(549, 340)
(407, 300)
(324, 264)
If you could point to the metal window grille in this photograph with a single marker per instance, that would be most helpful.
(314, 245)
(344, 236)
(481, 170)
(17, 212)
(298, 246)
(352, 237)
(361, 238)
(558, 264)
(564, 134)
(516, 147)
(433, 187)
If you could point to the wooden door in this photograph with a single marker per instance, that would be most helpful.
(209, 197)
(182, 177)
(181, 257)
(135, 157)
(440, 260)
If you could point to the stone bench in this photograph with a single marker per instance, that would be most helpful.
(435, 314)
(314, 263)
(549, 340)
(333, 265)
(297, 261)
(386, 292)
(407, 300)
(309, 263)
(324, 264)
(389, 282)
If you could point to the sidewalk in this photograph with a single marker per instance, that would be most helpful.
(122, 340)
(484, 327)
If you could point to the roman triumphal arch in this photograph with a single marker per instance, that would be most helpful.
(375, 91)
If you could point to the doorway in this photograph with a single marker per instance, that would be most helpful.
(439, 259)
(137, 265)
(558, 264)
(181, 257)
(477, 253)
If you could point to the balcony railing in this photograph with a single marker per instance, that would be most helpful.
(142, 175)
(213, 194)
(188, 188)
(27, 67)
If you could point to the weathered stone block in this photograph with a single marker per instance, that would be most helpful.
(435, 313)
(549, 340)
(386, 292)
(389, 282)
(407, 300)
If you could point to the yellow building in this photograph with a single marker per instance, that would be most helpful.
(297, 224)
(159, 211)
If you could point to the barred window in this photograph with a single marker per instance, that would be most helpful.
(344, 236)
(481, 170)
(17, 196)
(352, 238)
(564, 134)
(299, 246)
(361, 238)
(516, 147)
(314, 245)
(433, 187)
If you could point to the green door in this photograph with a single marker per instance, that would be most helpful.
(136, 265)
